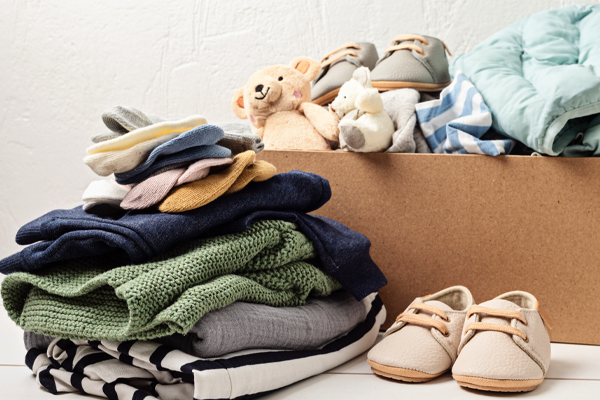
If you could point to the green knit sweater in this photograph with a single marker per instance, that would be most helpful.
(87, 299)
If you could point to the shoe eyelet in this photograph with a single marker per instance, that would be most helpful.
(446, 334)
(448, 320)
(526, 340)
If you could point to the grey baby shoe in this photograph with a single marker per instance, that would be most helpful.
(413, 61)
(337, 68)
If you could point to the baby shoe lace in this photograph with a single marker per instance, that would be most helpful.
(485, 326)
(325, 61)
(423, 320)
(411, 46)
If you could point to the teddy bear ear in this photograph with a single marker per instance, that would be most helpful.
(363, 76)
(237, 104)
(306, 66)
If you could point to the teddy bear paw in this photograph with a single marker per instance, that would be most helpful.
(352, 136)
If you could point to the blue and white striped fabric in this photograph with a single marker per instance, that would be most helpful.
(455, 123)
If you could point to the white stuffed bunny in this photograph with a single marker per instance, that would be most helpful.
(364, 125)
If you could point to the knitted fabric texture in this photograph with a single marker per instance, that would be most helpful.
(137, 236)
(197, 194)
(103, 192)
(242, 326)
(189, 155)
(200, 169)
(181, 165)
(152, 190)
(155, 188)
(257, 172)
(147, 133)
(112, 162)
(122, 119)
(200, 136)
(102, 137)
(86, 299)
(239, 138)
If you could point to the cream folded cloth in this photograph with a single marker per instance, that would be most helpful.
(150, 132)
(103, 192)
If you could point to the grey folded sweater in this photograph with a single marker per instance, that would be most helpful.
(242, 326)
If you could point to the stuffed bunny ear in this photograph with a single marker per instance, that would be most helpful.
(363, 76)
(237, 104)
(306, 66)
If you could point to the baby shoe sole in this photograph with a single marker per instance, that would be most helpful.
(326, 98)
(497, 385)
(401, 374)
(423, 87)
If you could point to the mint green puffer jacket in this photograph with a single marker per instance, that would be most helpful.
(541, 79)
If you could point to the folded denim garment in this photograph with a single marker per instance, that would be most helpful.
(136, 236)
(201, 136)
(146, 370)
(242, 326)
(87, 299)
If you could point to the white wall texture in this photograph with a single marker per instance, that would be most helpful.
(63, 62)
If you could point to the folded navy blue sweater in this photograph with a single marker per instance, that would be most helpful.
(136, 236)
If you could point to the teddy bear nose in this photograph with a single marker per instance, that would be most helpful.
(259, 88)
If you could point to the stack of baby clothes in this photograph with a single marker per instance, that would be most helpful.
(232, 298)
(150, 156)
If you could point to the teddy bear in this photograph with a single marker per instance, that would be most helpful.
(364, 125)
(277, 102)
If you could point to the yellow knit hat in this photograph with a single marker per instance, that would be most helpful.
(233, 179)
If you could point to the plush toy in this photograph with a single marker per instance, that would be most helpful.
(399, 104)
(277, 102)
(364, 125)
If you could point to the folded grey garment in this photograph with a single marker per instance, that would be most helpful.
(239, 138)
(36, 341)
(242, 326)
(121, 120)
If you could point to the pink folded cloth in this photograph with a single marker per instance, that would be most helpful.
(200, 169)
(152, 190)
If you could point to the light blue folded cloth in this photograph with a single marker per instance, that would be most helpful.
(455, 123)
(189, 155)
(164, 155)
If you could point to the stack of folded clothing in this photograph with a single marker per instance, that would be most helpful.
(241, 296)
(150, 156)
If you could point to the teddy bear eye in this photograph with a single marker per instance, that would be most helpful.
(281, 78)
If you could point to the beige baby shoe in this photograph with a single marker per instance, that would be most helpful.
(505, 346)
(423, 342)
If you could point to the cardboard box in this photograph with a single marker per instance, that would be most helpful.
(493, 224)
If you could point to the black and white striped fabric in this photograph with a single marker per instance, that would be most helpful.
(136, 370)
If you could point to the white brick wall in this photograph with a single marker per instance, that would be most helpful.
(63, 62)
